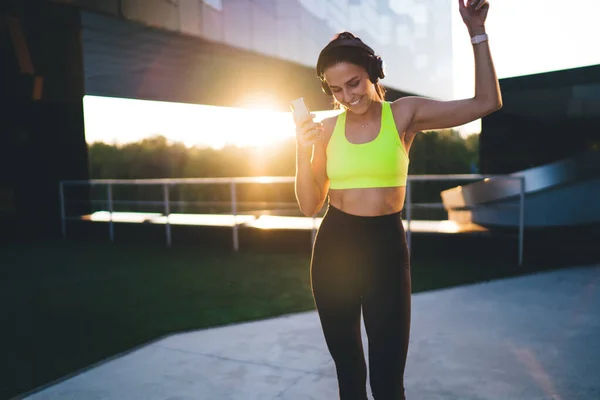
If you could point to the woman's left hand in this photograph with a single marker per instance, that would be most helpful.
(474, 13)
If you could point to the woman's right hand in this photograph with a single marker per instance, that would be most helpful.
(308, 131)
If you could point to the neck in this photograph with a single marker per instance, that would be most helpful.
(371, 114)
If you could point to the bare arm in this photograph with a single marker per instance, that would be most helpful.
(426, 114)
(311, 183)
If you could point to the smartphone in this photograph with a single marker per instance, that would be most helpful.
(299, 109)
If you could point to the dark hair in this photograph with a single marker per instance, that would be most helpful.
(345, 47)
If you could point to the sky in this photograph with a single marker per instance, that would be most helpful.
(526, 36)
(530, 36)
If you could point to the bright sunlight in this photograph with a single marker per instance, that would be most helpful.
(254, 124)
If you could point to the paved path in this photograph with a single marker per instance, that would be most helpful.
(533, 338)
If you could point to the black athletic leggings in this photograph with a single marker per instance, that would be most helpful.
(364, 262)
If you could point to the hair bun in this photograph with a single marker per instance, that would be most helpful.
(346, 36)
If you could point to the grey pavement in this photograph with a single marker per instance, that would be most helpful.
(534, 337)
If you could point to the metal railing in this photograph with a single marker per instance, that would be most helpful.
(233, 182)
(466, 177)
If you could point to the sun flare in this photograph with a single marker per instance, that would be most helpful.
(257, 124)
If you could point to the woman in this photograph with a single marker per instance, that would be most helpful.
(359, 159)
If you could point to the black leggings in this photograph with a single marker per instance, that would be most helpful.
(364, 261)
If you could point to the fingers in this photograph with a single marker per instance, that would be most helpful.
(308, 123)
(461, 3)
(311, 137)
(313, 126)
(308, 132)
(308, 137)
(307, 126)
(312, 131)
(476, 4)
(304, 120)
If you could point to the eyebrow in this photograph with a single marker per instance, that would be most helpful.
(348, 81)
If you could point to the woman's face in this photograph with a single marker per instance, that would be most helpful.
(351, 87)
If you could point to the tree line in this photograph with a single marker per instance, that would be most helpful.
(436, 152)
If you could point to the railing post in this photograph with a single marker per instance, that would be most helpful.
(111, 229)
(408, 214)
(181, 197)
(521, 218)
(236, 244)
(167, 213)
(63, 222)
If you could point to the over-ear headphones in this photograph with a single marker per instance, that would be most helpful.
(375, 65)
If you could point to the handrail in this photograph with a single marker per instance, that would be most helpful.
(468, 177)
(234, 181)
(177, 181)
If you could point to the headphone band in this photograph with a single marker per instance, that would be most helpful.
(342, 43)
(375, 65)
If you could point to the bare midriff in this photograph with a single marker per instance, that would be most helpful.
(368, 202)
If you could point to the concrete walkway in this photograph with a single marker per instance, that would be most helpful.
(535, 338)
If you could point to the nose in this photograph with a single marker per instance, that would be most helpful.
(347, 95)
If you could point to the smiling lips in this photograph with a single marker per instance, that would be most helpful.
(354, 103)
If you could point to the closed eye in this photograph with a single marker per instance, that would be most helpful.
(336, 89)
(353, 82)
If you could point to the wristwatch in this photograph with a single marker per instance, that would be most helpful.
(479, 38)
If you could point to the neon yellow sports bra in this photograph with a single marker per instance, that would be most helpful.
(382, 162)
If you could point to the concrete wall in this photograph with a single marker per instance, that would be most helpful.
(546, 117)
(413, 37)
(569, 205)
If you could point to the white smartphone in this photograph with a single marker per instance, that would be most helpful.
(299, 109)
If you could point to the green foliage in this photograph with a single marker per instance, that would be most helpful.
(440, 153)
(443, 152)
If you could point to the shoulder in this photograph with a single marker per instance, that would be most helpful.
(328, 126)
(330, 122)
(405, 105)
(403, 110)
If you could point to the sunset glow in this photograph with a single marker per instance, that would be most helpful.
(120, 121)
